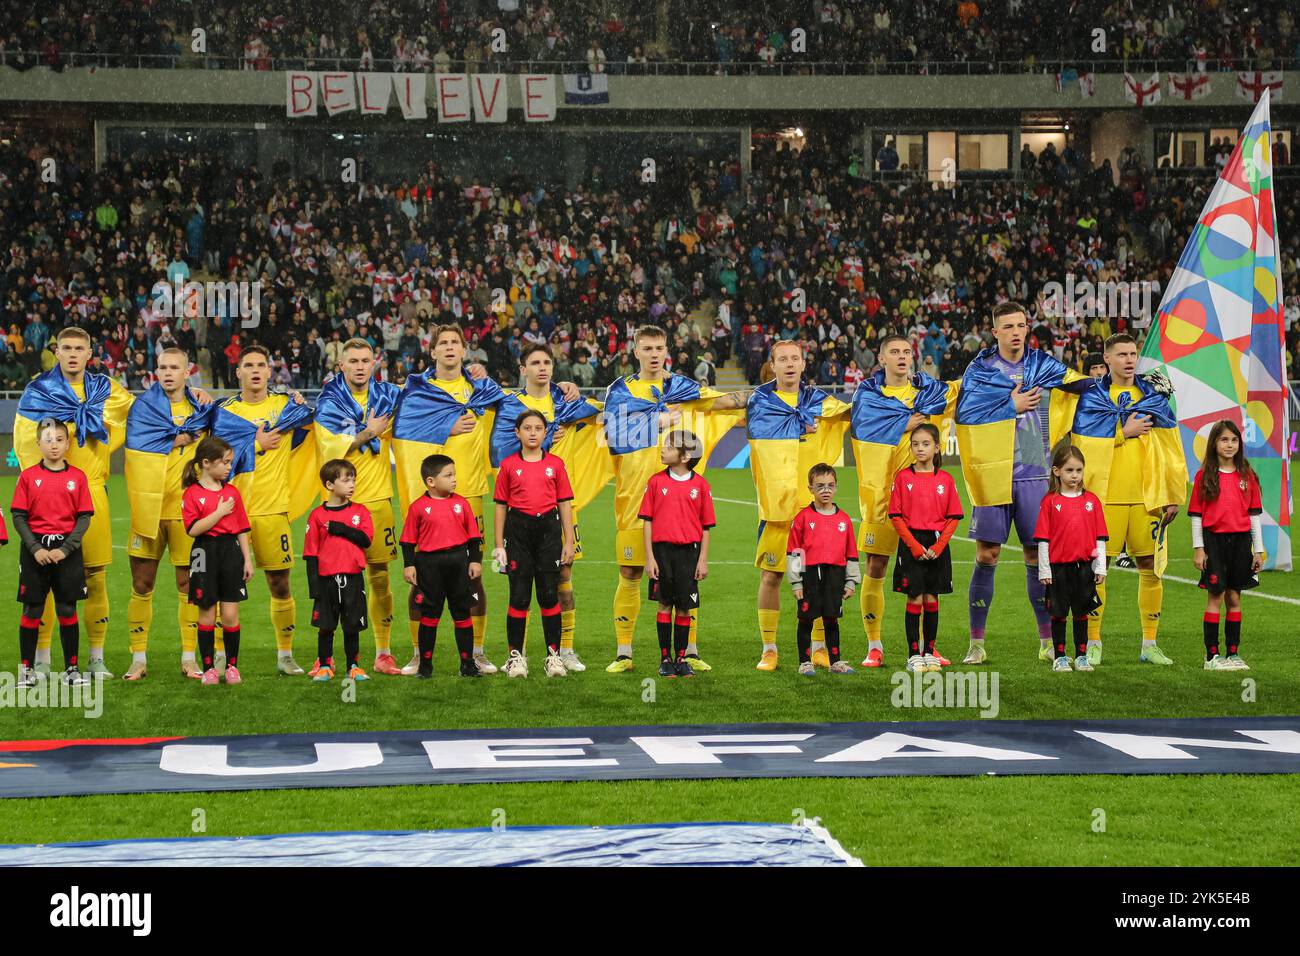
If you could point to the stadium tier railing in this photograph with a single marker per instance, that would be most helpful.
(32, 59)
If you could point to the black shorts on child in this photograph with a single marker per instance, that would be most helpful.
(442, 577)
(823, 591)
(66, 578)
(676, 586)
(1073, 591)
(533, 543)
(340, 602)
(917, 576)
(217, 571)
(1228, 562)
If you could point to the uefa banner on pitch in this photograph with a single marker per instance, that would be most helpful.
(48, 768)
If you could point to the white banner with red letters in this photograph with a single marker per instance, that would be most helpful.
(456, 97)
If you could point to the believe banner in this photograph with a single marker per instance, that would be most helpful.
(457, 97)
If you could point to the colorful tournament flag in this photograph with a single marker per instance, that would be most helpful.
(1220, 333)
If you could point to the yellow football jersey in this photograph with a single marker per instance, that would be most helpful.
(545, 404)
(470, 450)
(177, 459)
(1126, 468)
(268, 493)
(873, 502)
(93, 457)
(632, 471)
(374, 471)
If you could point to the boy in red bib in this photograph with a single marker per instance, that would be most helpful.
(51, 512)
(338, 533)
(822, 568)
(677, 511)
(442, 551)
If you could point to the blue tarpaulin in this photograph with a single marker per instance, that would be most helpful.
(678, 844)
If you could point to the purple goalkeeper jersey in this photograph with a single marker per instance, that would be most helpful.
(1031, 452)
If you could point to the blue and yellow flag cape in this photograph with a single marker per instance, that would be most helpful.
(422, 423)
(633, 436)
(295, 422)
(781, 450)
(986, 419)
(581, 447)
(632, 423)
(102, 416)
(504, 440)
(339, 416)
(881, 442)
(150, 434)
(1096, 421)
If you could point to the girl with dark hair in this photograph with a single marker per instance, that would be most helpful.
(1071, 534)
(1228, 539)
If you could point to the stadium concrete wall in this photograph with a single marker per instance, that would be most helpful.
(185, 88)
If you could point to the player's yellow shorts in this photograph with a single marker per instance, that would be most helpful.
(271, 542)
(878, 539)
(630, 547)
(97, 544)
(1132, 530)
(383, 546)
(476, 506)
(772, 539)
(577, 538)
(171, 538)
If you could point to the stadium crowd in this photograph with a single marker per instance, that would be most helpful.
(802, 249)
(446, 35)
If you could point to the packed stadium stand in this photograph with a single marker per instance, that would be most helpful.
(726, 36)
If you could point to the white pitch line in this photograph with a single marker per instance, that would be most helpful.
(958, 537)
(1179, 580)
(1168, 577)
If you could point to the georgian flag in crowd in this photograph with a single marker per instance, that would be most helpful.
(1189, 86)
(1251, 85)
(1142, 92)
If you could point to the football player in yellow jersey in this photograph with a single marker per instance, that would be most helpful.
(363, 440)
(877, 540)
(467, 446)
(636, 458)
(168, 532)
(92, 403)
(536, 365)
(1131, 527)
(787, 363)
(267, 497)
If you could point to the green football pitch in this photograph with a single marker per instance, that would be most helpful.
(1174, 820)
